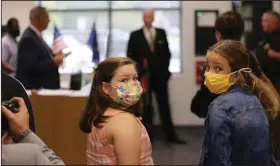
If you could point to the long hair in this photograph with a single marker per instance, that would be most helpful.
(238, 58)
(98, 101)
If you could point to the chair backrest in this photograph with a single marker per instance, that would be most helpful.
(11, 87)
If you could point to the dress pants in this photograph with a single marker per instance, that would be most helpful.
(158, 85)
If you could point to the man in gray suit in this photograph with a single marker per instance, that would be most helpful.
(20, 146)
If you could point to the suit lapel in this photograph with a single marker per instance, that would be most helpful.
(40, 42)
(144, 39)
(156, 37)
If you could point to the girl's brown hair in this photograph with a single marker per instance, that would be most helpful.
(238, 58)
(98, 101)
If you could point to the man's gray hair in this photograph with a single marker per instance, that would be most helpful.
(274, 14)
(36, 12)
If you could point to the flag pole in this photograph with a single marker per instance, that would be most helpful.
(54, 23)
(94, 22)
(108, 49)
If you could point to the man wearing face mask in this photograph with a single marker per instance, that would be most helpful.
(10, 47)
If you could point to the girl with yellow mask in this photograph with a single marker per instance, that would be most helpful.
(237, 126)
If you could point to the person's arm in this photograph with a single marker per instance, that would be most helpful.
(7, 66)
(273, 54)
(166, 51)
(5, 57)
(130, 53)
(45, 156)
(130, 48)
(19, 129)
(200, 102)
(29, 58)
(219, 126)
(125, 133)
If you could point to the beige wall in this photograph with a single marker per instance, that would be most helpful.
(276, 6)
(18, 9)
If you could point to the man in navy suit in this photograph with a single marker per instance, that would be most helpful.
(148, 47)
(37, 66)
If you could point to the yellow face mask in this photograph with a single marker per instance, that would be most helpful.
(219, 83)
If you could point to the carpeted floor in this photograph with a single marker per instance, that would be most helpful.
(188, 154)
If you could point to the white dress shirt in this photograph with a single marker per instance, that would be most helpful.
(9, 52)
(36, 30)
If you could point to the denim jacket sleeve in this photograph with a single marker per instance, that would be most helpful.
(219, 126)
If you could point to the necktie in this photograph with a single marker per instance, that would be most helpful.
(151, 40)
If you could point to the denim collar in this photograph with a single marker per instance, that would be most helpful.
(234, 88)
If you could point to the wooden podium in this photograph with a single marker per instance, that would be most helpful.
(57, 124)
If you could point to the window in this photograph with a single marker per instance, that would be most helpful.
(118, 18)
(76, 28)
(146, 4)
(70, 5)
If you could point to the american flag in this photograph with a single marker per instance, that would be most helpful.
(58, 42)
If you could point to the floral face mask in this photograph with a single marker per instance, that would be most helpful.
(128, 93)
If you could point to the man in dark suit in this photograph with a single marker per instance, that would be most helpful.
(148, 46)
(37, 65)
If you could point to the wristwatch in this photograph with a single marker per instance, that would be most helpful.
(17, 138)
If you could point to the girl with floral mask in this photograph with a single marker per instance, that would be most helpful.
(237, 126)
(115, 135)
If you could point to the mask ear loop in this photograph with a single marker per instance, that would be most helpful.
(245, 70)
(233, 83)
(111, 85)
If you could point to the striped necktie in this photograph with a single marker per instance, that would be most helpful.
(151, 40)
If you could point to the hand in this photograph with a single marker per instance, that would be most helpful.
(7, 138)
(272, 53)
(169, 76)
(58, 59)
(18, 122)
(68, 53)
(8, 67)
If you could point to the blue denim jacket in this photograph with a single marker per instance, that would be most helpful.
(236, 131)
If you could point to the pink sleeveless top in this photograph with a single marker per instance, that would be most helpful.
(100, 152)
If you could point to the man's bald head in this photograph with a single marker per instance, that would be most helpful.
(39, 17)
(148, 17)
(270, 21)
